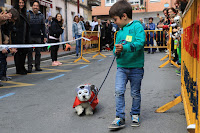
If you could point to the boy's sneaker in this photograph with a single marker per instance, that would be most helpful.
(178, 73)
(135, 121)
(117, 124)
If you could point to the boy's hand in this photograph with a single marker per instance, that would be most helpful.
(119, 48)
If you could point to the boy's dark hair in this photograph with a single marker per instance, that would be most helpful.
(151, 18)
(34, 2)
(119, 8)
(14, 12)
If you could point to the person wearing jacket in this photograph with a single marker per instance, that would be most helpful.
(37, 32)
(55, 30)
(150, 26)
(21, 35)
(77, 29)
(101, 28)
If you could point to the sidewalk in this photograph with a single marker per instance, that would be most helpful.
(44, 56)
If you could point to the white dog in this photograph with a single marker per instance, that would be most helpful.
(85, 94)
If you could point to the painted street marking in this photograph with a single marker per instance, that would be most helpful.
(7, 95)
(84, 66)
(16, 84)
(101, 60)
(50, 71)
(56, 77)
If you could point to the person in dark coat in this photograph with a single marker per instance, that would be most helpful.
(55, 31)
(21, 36)
(108, 32)
(101, 29)
(37, 35)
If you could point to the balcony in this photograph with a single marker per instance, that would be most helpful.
(94, 2)
(138, 9)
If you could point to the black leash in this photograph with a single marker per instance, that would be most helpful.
(104, 79)
(122, 42)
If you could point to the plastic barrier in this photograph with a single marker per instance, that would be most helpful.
(190, 68)
(170, 53)
(90, 46)
(158, 35)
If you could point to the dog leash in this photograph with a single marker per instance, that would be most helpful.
(123, 42)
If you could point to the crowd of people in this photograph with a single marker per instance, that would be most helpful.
(19, 26)
(172, 16)
(105, 27)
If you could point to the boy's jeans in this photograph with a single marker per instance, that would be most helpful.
(78, 43)
(135, 76)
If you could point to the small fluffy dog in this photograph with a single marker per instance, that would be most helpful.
(85, 94)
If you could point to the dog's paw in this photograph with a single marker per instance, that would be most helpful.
(79, 110)
(89, 112)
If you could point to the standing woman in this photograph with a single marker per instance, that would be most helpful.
(77, 29)
(20, 35)
(55, 31)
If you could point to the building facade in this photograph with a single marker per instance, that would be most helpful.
(141, 9)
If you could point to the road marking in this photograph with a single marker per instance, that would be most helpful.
(84, 66)
(56, 77)
(7, 95)
(111, 56)
(101, 60)
(16, 84)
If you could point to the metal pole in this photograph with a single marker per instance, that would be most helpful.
(78, 5)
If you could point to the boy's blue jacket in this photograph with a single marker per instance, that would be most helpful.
(132, 55)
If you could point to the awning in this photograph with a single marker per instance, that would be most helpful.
(47, 3)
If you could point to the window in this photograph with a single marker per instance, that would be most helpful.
(134, 2)
(110, 2)
(154, 0)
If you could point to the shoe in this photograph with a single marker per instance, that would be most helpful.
(23, 73)
(178, 73)
(6, 78)
(58, 62)
(38, 69)
(148, 52)
(1, 85)
(152, 52)
(118, 123)
(135, 121)
(29, 71)
(77, 55)
(54, 63)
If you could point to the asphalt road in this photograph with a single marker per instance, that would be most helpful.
(42, 102)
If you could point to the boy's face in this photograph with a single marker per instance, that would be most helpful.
(120, 22)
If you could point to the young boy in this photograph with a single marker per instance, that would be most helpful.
(130, 62)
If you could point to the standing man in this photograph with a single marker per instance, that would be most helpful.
(94, 23)
(37, 26)
(143, 24)
(150, 36)
(101, 29)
